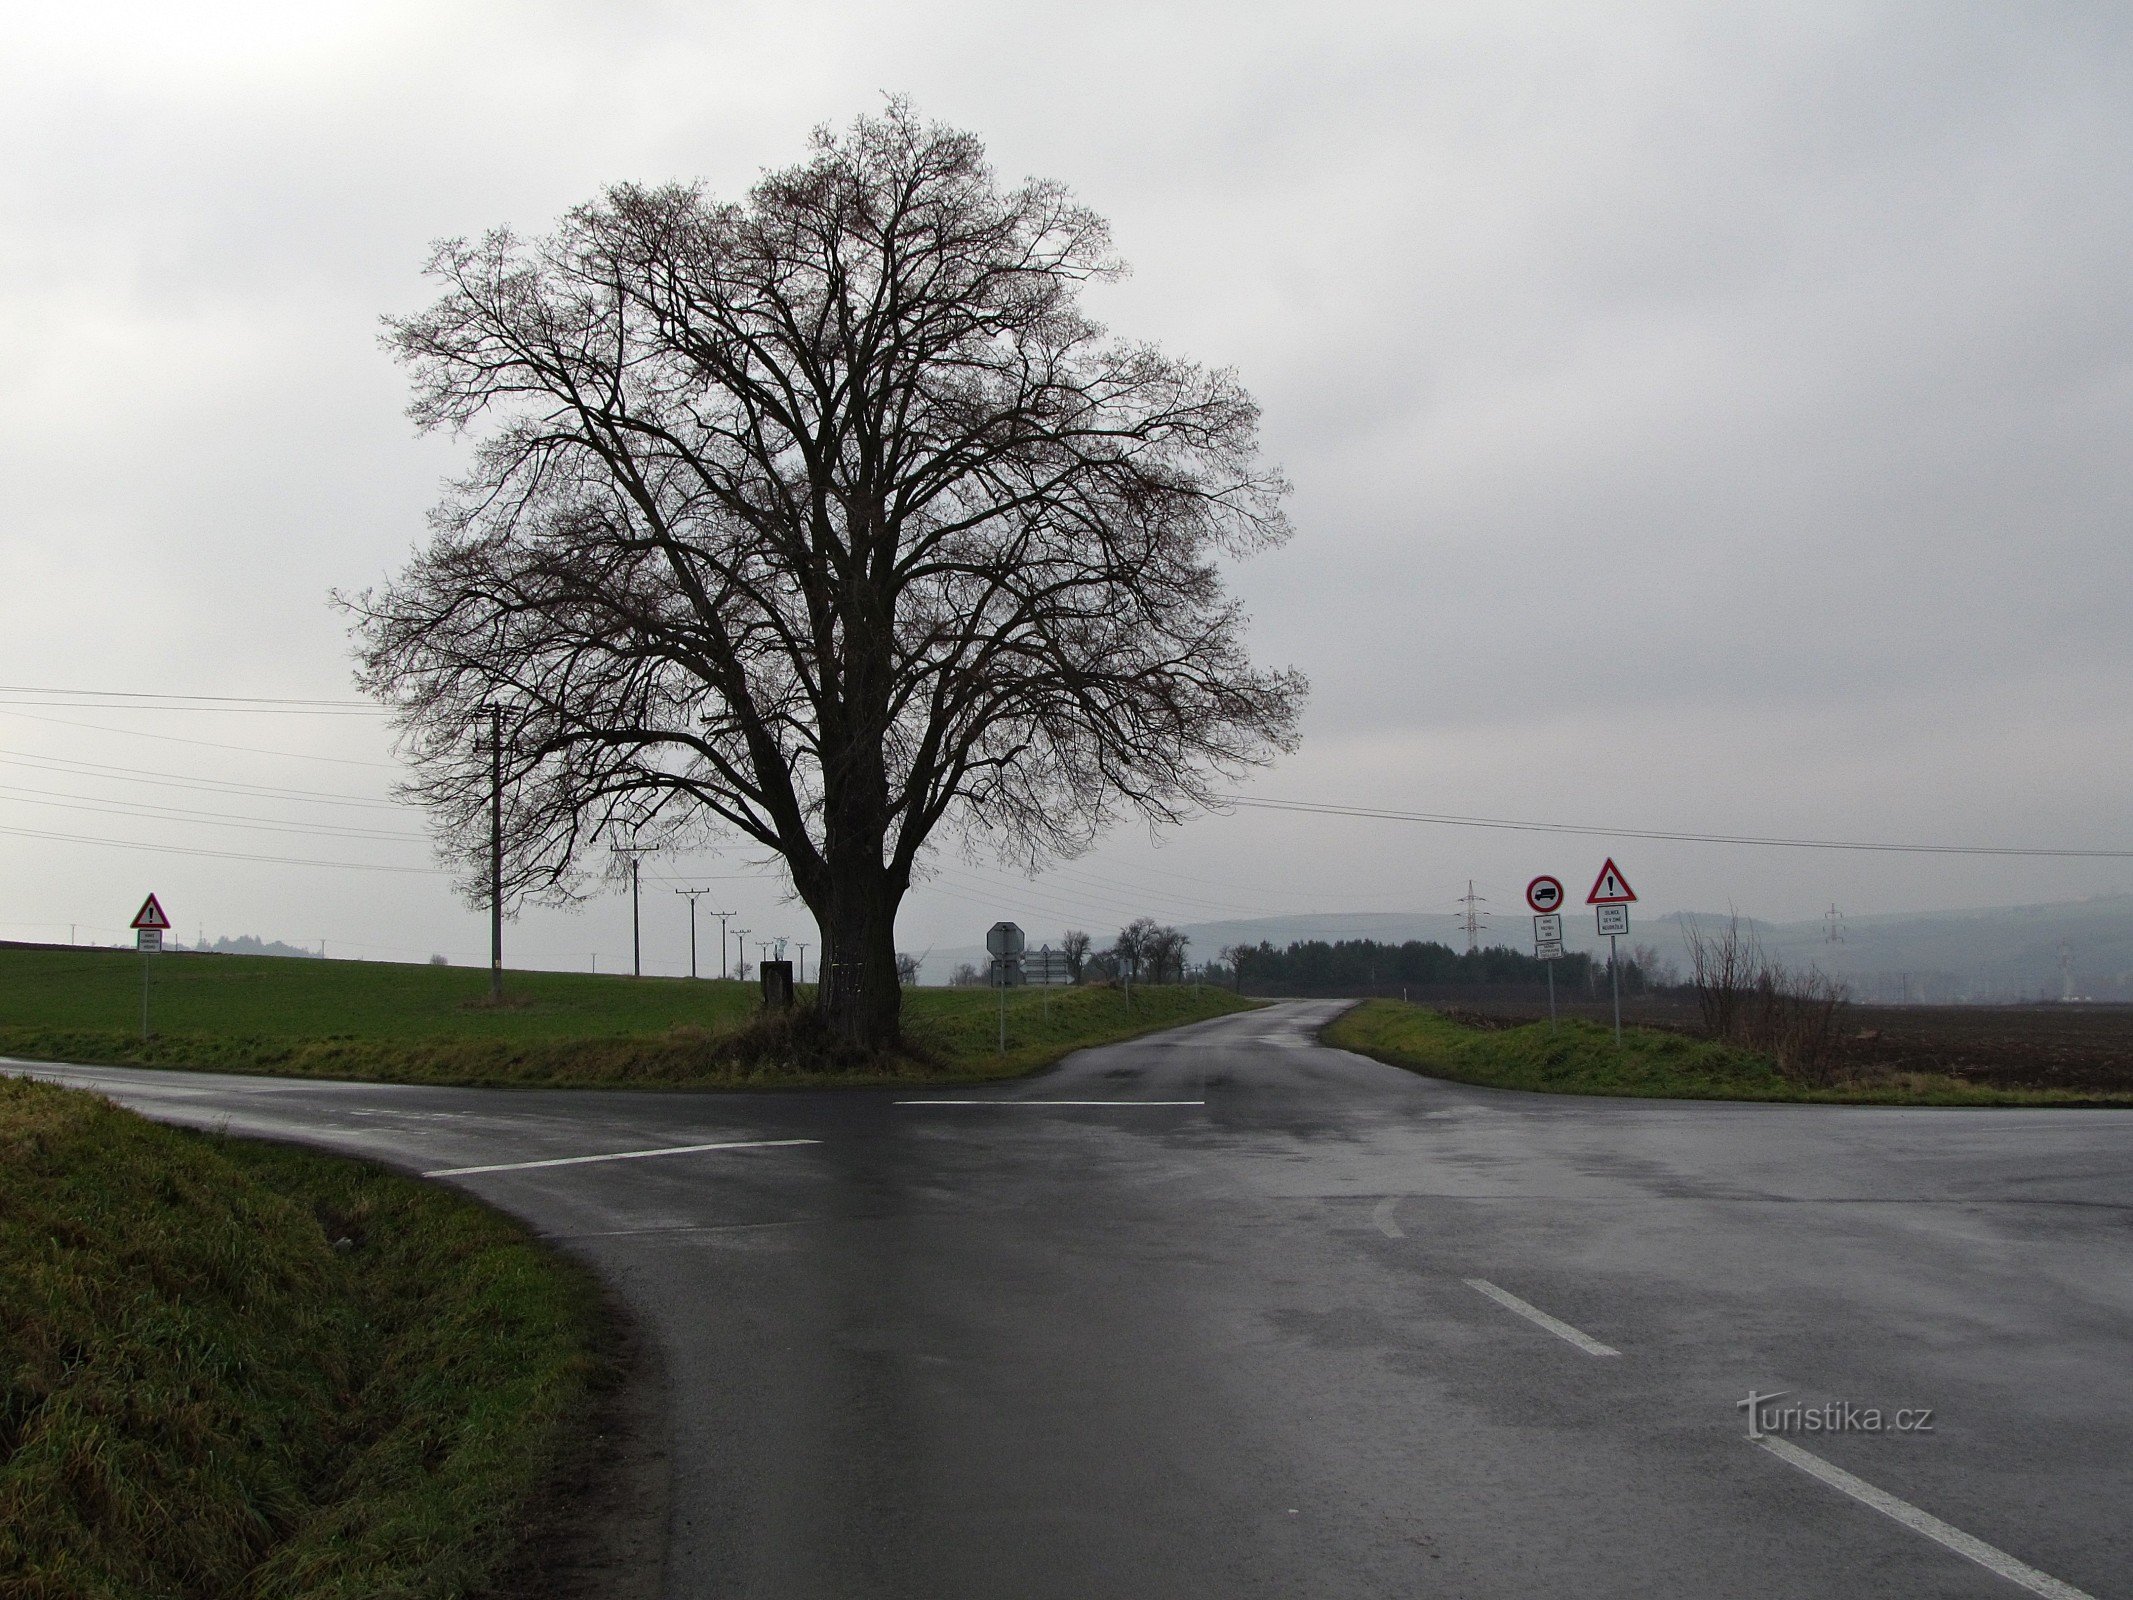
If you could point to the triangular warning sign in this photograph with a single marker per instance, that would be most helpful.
(1610, 888)
(151, 915)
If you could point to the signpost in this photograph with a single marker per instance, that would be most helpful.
(149, 925)
(1004, 941)
(1611, 899)
(1544, 894)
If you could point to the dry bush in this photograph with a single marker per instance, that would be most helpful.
(1795, 1018)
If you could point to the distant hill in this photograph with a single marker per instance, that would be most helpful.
(1991, 954)
(248, 944)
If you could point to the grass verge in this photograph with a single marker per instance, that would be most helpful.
(1577, 1057)
(239, 1370)
(382, 1022)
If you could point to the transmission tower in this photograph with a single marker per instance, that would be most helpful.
(1475, 921)
(1835, 919)
(2066, 972)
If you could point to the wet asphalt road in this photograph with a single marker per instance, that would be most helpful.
(1250, 1347)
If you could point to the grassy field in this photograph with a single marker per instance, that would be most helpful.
(422, 1024)
(238, 1370)
(1579, 1057)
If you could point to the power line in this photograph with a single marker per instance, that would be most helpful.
(133, 776)
(196, 818)
(182, 702)
(1311, 808)
(205, 744)
(220, 855)
(217, 710)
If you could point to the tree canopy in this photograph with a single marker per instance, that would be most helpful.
(825, 520)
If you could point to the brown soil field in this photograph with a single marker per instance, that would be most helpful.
(2084, 1048)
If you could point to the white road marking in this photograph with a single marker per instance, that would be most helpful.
(1051, 1102)
(1382, 1216)
(1918, 1521)
(619, 1155)
(1540, 1318)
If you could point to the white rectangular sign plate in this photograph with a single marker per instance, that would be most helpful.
(1548, 949)
(1613, 919)
(1548, 926)
(149, 938)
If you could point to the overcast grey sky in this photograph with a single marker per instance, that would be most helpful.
(1705, 418)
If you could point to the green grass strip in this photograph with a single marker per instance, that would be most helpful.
(382, 1022)
(237, 1370)
(1576, 1057)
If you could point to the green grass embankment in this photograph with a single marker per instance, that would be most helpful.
(1576, 1057)
(236, 1370)
(419, 1024)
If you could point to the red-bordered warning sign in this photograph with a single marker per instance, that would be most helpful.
(1610, 888)
(1545, 894)
(151, 916)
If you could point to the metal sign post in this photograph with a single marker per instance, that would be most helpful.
(1611, 898)
(149, 925)
(1548, 949)
(1004, 942)
(1544, 894)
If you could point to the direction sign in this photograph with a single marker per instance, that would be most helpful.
(1004, 939)
(151, 916)
(1046, 967)
(1548, 927)
(1610, 888)
(1614, 919)
(1545, 893)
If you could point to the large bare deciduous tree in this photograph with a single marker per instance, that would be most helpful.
(827, 519)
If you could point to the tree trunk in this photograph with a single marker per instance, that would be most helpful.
(860, 997)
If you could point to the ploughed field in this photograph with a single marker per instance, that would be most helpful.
(2077, 1047)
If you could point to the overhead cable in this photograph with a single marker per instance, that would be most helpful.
(220, 855)
(1312, 808)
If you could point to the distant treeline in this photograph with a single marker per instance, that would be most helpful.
(1364, 966)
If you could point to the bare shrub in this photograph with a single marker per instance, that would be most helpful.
(1721, 966)
(1795, 1018)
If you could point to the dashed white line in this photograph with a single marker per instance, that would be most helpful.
(1382, 1216)
(618, 1155)
(1540, 1318)
(1051, 1102)
(1992, 1560)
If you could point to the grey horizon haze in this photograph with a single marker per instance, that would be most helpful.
(1701, 420)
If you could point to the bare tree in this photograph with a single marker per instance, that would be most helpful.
(908, 967)
(827, 519)
(1074, 945)
(1654, 969)
(1130, 948)
(1722, 965)
(1164, 951)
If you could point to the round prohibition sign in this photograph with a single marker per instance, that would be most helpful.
(1545, 894)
